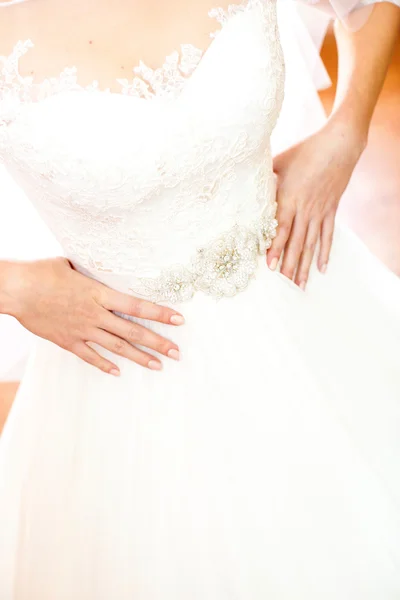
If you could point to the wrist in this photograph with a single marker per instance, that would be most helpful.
(11, 279)
(354, 132)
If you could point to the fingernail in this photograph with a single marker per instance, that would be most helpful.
(177, 320)
(273, 264)
(174, 354)
(303, 285)
(115, 372)
(323, 268)
(155, 365)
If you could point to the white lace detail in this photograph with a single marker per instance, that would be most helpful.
(222, 15)
(222, 268)
(14, 89)
(167, 81)
(131, 188)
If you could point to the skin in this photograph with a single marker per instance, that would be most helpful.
(109, 38)
(313, 175)
(56, 302)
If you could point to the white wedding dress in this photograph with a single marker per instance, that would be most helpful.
(265, 465)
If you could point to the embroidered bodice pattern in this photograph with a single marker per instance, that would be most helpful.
(156, 183)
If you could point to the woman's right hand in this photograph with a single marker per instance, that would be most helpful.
(56, 302)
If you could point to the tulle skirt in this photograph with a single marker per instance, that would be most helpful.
(263, 465)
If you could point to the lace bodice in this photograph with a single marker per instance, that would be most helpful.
(141, 183)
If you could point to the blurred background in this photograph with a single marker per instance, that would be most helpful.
(371, 204)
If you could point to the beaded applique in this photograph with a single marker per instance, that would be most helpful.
(222, 268)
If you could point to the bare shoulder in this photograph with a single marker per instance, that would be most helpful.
(19, 20)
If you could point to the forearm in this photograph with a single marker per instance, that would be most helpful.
(364, 57)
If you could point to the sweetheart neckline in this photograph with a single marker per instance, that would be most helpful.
(141, 86)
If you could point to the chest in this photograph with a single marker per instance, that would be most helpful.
(106, 40)
(183, 121)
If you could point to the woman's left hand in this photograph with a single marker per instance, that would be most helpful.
(312, 177)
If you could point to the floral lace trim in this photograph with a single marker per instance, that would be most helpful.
(223, 268)
(165, 82)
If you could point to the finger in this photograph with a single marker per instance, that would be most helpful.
(294, 247)
(137, 334)
(307, 255)
(285, 219)
(90, 356)
(123, 348)
(138, 307)
(327, 229)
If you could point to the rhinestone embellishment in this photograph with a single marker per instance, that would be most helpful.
(222, 268)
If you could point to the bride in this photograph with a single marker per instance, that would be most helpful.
(261, 460)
